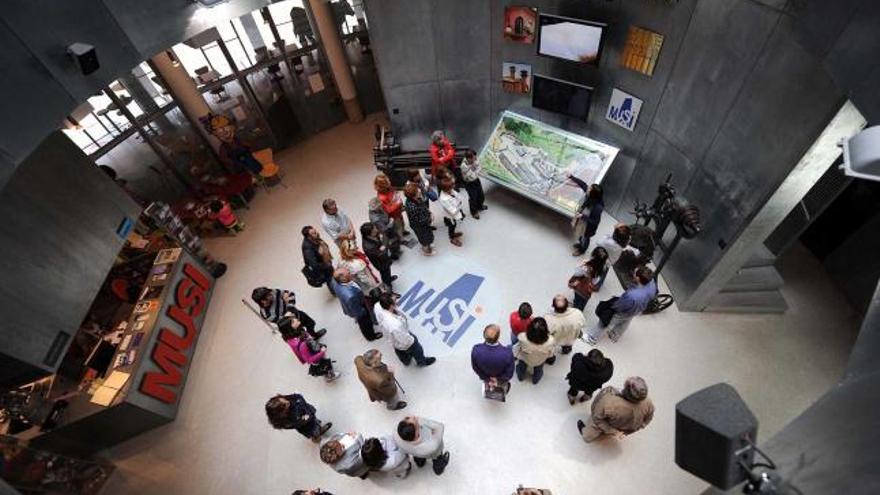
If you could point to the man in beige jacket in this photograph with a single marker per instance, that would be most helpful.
(378, 379)
(618, 413)
(566, 323)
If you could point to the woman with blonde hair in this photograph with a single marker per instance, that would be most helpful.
(391, 202)
(358, 265)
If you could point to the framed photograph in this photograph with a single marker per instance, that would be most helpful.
(516, 78)
(519, 24)
(624, 109)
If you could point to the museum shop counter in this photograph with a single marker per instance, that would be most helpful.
(144, 381)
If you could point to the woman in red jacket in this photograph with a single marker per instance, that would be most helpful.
(443, 155)
(391, 201)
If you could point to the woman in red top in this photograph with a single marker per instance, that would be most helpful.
(391, 202)
(519, 321)
(442, 153)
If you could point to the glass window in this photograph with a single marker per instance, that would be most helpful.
(146, 176)
(101, 125)
(151, 83)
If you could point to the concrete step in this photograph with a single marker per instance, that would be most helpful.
(761, 257)
(764, 301)
(754, 279)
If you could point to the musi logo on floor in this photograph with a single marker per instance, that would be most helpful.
(446, 314)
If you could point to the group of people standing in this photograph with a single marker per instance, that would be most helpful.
(370, 300)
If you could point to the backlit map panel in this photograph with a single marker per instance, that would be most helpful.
(535, 159)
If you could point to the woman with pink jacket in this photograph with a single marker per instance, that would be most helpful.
(306, 349)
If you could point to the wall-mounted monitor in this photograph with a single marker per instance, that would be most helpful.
(575, 40)
(560, 96)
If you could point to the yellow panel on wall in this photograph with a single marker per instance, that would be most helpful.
(642, 50)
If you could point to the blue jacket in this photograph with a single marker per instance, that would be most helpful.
(492, 361)
(351, 298)
(635, 299)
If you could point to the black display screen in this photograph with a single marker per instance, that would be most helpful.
(561, 97)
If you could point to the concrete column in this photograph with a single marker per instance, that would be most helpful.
(326, 26)
(184, 90)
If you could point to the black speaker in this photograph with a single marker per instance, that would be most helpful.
(710, 427)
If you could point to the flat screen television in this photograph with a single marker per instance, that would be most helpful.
(575, 40)
(560, 96)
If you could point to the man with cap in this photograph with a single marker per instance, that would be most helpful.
(618, 413)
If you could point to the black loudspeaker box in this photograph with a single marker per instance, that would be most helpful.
(711, 425)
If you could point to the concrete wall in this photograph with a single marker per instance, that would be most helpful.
(57, 242)
(41, 85)
(735, 101)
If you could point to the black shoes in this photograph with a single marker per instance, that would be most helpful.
(428, 362)
(393, 278)
(440, 463)
(581, 426)
(484, 208)
(319, 333)
(400, 405)
(420, 461)
(376, 336)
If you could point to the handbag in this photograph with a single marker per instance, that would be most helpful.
(605, 311)
(582, 285)
(313, 278)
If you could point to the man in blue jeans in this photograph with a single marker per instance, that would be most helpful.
(629, 305)
(393, 321)
(353, 303)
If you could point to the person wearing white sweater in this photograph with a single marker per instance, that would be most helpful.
(422, 438)
(395, 323)
(451, 203)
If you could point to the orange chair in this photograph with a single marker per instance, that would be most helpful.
(270, 171)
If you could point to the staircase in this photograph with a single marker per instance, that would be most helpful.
(754, 288)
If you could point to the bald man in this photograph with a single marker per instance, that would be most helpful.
(491, 361)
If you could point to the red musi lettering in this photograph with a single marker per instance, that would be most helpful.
(190, 299)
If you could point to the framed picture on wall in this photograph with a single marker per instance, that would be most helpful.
(516, 78)
(642, 50)
(519, 24)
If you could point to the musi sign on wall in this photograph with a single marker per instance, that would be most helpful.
(624, 109)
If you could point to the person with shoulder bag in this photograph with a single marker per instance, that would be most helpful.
(318, 259)
(451, 202)
(587, 277)
(307, 350)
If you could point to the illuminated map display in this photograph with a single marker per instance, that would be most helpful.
(535, 160)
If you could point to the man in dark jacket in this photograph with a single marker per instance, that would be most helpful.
(588, 374)
(589, 214)
(491, 361)
(377, 252)
(292, 412)
(317, 256)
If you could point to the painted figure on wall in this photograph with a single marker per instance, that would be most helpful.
(235, 153)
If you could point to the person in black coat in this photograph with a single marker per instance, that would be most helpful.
(377, 252)
(292, 412)
(589, 213)
(587, 374)
(317, 256)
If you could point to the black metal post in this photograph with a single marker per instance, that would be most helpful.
(248, 91)
(149, 140)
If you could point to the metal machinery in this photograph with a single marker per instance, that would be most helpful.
(395, 163)
(667, 209)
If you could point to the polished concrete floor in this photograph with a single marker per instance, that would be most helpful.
(221, 442)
